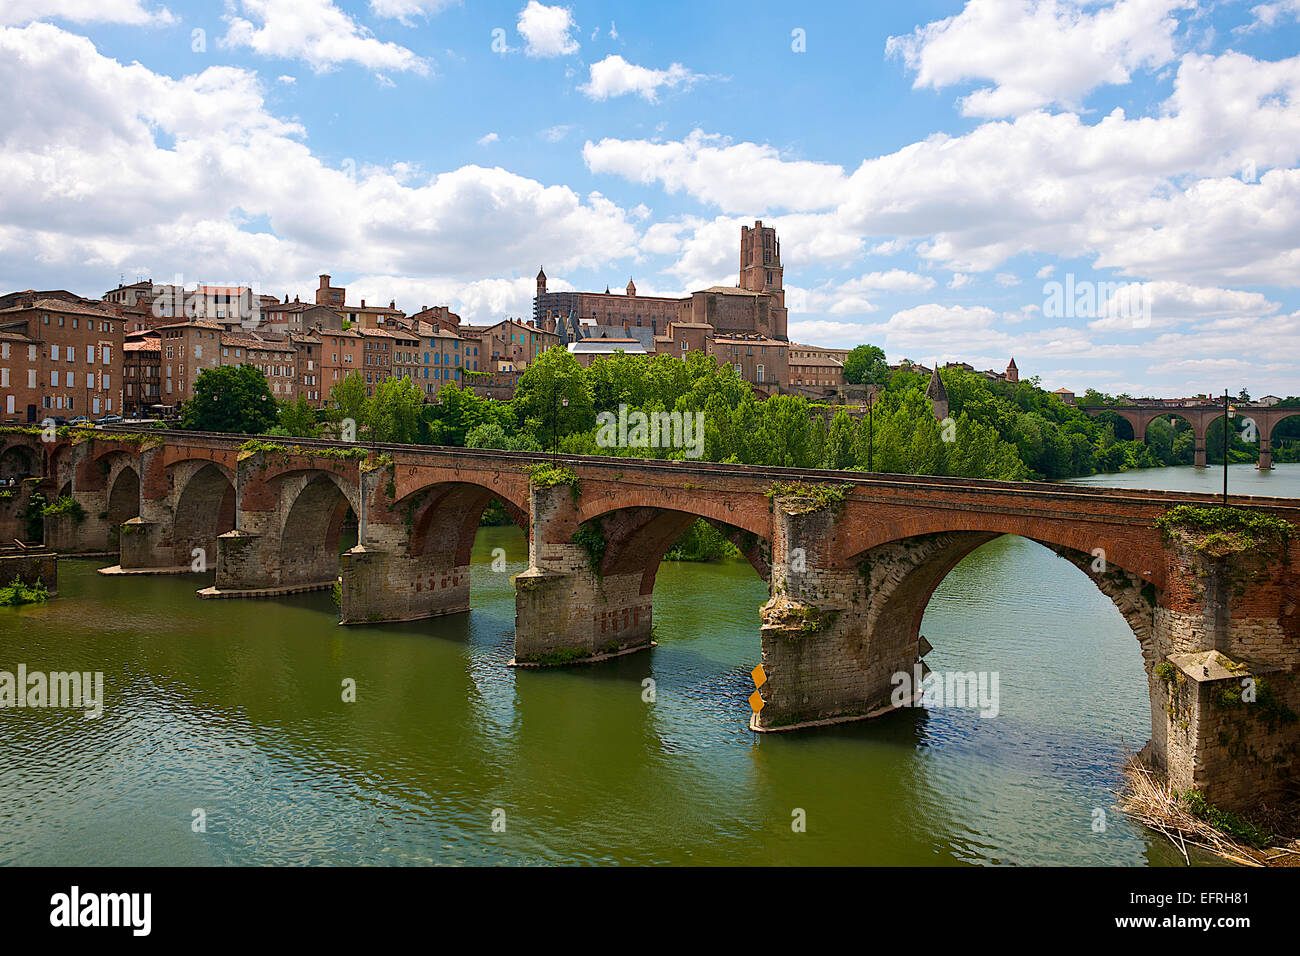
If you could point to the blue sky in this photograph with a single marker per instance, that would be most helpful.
(932, 168)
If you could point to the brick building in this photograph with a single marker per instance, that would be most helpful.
(61, 359)
(756, 306)
(141, 374)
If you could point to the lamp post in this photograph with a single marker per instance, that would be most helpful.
(871, 433)
(1225, 447)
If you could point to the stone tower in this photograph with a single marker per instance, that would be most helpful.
(937, 395)
(631, 287)
(541, 281)
(761, 271)
(1013, 373)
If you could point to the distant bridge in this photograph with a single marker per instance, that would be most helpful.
(1200, 417)
(851, 561)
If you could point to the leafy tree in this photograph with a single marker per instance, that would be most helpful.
(394, 414)
(297, 420)
(866, 365)
(348, 400)
(230, 398)
(553, 398)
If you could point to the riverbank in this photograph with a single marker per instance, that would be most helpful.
(1268, 836)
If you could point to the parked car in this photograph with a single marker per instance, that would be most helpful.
(108, 420)
(80, 420)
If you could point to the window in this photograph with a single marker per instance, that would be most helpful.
(54, 353)
(90, 380)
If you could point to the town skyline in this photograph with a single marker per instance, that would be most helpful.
(258, 147)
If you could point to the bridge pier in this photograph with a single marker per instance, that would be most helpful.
(834, 637)
(1265, 451)
(1198, 449)
(565, 610)
(389, 576)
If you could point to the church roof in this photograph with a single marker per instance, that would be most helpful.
(935, 390)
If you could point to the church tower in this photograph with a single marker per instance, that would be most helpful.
(937, 394)
(1013, 373)
(761, 271)
(541, 281)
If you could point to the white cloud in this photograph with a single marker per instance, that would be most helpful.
(1177, 303)
(1039, 52)
(1006, 279)
(735, 177)
(88, 191)
(547, 30)
(406, 10)
(1265, 16)
(1046, 271)
(960, 280)
(556, 133)
(615, 76)
(316, 32)
(131, 12)
(488, 139)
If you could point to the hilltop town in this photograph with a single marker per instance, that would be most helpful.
(138, 350)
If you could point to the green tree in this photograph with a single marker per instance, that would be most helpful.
(297, 420)
(553, 398)
(394, 414)
(230, 398)
(866, 365)
(348, 400)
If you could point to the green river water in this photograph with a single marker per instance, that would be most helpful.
(235, 708)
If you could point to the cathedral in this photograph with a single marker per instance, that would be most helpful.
(754, 307)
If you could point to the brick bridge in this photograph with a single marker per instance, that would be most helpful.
(851, 561)
(1200, 417)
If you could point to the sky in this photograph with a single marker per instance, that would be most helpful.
(1108, 192)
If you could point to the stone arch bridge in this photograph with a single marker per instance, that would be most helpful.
(851, 561)
(1201, 417)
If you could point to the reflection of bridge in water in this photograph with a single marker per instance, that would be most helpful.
(851, 560)
(1201, 417)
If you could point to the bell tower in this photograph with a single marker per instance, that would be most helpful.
(761, 271)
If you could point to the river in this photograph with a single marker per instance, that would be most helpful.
(234, 709)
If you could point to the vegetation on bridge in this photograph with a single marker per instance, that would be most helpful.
(1220, 531)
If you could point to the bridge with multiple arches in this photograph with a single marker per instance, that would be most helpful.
(851, 560)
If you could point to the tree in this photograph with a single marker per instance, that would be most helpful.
(348, 400)
(297, 420)
(394, 414)
(230, 398)
(866, 365)
(553, 397)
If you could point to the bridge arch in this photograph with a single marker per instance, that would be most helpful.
(19, 460)
(123, 497)
(204, 494)
(445, 517)
(316, 505)
(635, 539)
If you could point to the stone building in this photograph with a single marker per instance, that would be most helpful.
(756, 306)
